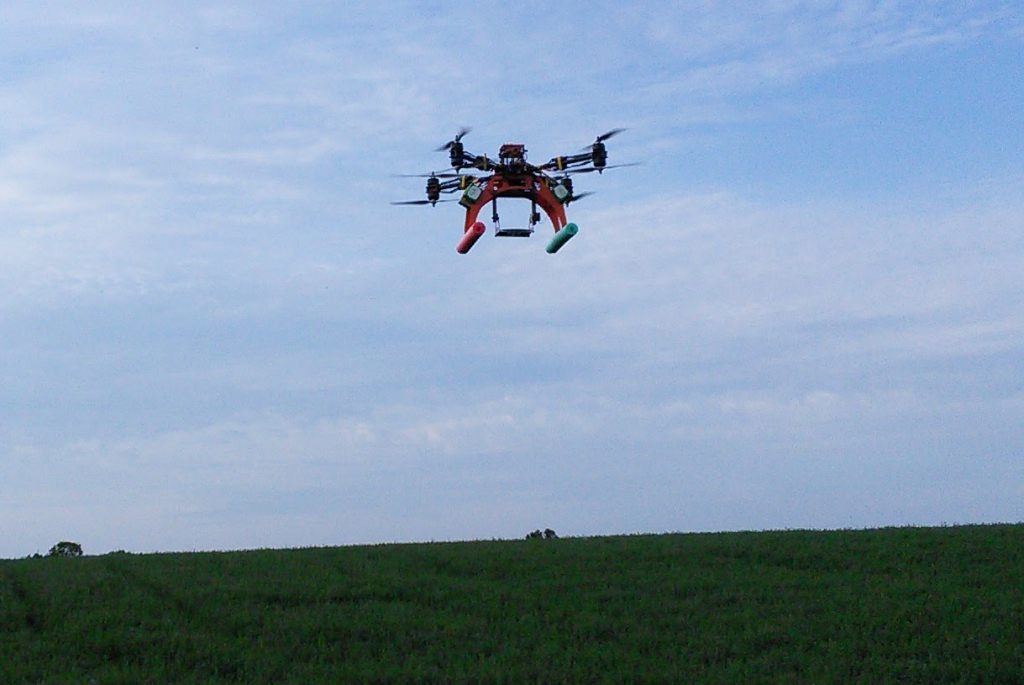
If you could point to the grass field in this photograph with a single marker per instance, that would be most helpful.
(907, 605)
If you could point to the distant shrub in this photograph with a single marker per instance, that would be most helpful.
(66, 549)
(547, 534)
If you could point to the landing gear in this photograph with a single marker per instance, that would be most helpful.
(470, 237)
(561, 238)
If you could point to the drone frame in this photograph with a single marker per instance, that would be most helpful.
(548, 186)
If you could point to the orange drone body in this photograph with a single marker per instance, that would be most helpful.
(528, 187)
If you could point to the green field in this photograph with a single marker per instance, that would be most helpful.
(907, 605)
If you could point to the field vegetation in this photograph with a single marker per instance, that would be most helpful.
(907, 605)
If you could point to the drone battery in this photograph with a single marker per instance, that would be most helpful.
(471, 195)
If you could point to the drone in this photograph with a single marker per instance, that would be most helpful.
(547, 186)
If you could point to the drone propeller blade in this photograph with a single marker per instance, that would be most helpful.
(587, 170)
(446, 174)
(605, 136)
(624, 164)
(422, 202)
(458, 136)
(580, 196)
(413, 202)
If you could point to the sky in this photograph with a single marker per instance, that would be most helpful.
(804, 309)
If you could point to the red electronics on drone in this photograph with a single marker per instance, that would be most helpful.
(548, 186)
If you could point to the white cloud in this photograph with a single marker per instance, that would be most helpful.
(491, 462)
(732, 50)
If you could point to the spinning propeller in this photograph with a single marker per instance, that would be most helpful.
(456, 140)
(423, 202)
(605, 136)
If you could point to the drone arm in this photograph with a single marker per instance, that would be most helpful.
(481, 162)
(565, 163)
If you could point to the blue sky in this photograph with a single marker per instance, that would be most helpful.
(803, 310)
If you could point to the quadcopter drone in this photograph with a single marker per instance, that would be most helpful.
(548, 186)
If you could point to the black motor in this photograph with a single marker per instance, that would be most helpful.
(433, 188)
(455, 153)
